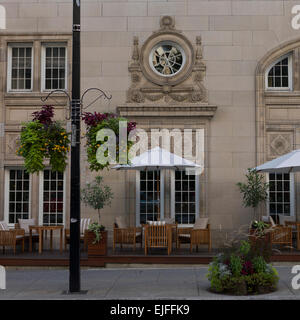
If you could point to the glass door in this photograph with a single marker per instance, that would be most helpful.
(149, 196)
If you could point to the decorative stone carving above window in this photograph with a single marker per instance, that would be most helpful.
(167, 68)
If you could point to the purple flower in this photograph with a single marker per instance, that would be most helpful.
(45, 115)
(247, 268)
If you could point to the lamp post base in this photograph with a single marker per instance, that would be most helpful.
(77, 292)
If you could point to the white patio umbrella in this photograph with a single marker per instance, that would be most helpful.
(287, 163)
(158, 159)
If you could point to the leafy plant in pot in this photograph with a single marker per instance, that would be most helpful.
(254, 191)
(97, 195)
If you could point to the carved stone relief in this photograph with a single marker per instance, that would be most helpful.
(12, 143)
(279, 144)
(184, 86)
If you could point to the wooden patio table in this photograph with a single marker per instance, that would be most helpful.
(297, 225)
(41, 230)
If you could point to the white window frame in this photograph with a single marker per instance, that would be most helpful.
(41, 197)
(292, 195)
(162, 196)
(6, 194)
(43, 63)
(9, 64)
(290, 75)
(197, 198)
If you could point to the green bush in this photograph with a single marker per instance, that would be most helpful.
(242, 272)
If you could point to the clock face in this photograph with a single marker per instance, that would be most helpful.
(167, 58)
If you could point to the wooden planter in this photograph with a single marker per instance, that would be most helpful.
(96, 249)
(262, 245)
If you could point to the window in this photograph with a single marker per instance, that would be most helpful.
(20, 62)
(54, 67)
(185, 191)
(281, 195)
(52, 194)
(17, 199)
(167, 58)
(279, 75)
(149, 196)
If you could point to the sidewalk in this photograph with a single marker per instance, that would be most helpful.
(129, 283)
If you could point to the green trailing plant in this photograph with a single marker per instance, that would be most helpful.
(97, 229)
(254, 191)
(42, 139)
(241, 271)
(95, 122)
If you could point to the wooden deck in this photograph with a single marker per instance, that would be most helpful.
(124, 256)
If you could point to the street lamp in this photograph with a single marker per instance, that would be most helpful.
(74, 266)
(76, 106)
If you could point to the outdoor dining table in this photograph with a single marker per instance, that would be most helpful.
(40, 230)
(297, 225)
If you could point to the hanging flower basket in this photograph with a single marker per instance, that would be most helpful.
(42, 139)
(97, 121)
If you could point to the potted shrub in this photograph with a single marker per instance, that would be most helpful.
(97, 195)
(96, 239)
(254, 191)
(241, 271)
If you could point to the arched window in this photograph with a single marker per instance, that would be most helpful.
(279, 74)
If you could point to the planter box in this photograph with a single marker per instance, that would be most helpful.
(261, 245)
(96, 249)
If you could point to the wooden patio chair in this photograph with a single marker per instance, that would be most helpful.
(24, 224)
(279, 234)
(126, 235)
(174, 224)
(84, 224)
(11, 237)
(158, 236)
(295, 231)
(282, 235)
(197, 235)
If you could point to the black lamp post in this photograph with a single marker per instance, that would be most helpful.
(75, 108)
(74, 265)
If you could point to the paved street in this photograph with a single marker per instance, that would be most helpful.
(129, 283)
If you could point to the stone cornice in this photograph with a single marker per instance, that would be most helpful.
(183, 110)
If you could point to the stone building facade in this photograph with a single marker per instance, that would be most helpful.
(237, 82)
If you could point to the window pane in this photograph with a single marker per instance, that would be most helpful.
(21, 68)
(55, 72)
(278, 75)
(285, 81)
(185, 200)
(149, 203)
(52, 200)
(279, 196)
